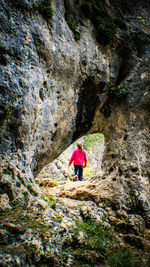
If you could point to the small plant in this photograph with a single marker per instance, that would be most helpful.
(87, 8)
(31, 190)
(18, 184)
(97, 237)
(30, 179)
(74, 29)
(107, 31)
(45, 8)
(120, 23)
(26, 194)
(58, 219)
(15, 204)
(21, 180)
(37, 180)
(9, 172)
(1, 45)
(50, 201)
(122, 257)
(117, 90)
(8, 111)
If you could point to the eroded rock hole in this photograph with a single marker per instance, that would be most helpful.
(58, 171)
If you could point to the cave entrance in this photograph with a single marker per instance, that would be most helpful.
(58, 170)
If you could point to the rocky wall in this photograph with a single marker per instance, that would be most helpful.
(55, 89)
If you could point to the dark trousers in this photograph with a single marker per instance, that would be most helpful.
(78, 170)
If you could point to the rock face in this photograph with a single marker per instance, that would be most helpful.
(54, 89)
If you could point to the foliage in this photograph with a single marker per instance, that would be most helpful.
(102, 240)
(120, 23)
(94, 143)
(45, 8)
(58, 219)
(50, 201)
(26, 194)
(21, 180)
(1, 45)
(97, 236)
(8, 111)
(107, 31)
(31, 180)
(31, 190)
(9, 172)
(18, 184)
(91, 9)
(105, 28)
(88, 173)
(117, 90)
(74, 29)
(91, 140)
(121, 257)
(15, 204)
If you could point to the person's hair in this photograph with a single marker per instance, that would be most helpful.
(80, 146)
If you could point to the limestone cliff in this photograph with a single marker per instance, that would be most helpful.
(61, 78)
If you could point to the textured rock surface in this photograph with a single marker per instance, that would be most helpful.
(54, 89)
(52, 85)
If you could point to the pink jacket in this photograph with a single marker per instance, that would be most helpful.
(78, 157)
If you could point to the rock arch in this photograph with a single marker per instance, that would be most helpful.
(54, 90)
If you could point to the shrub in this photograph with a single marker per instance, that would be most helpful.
(107, 31)
(26, 194)
(97, 237)
(9, 172)
(74, 29)
(117, 90)
(120, 22)
(87, 8)
(105, 27)
(91, 140)
(31, 190)
(122, 257)
(45, 8)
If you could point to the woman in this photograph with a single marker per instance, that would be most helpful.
(79, 160)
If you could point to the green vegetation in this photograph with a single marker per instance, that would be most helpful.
(91, 140)
(21, 180)
(18, 184)
(87, 172)
(101, 242)
(8, 111)
(50, 201)
(45, 8)
(117, 90)
(74, 29)
(8, 171)
(58, 219)
(1, 45)
(15, 205)
(120, 23)
(26, 194)
(37, 180)
(105, 27)
(31, 190)
(121, 257)
(97, 237)
(31, 180)
(107, 31)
